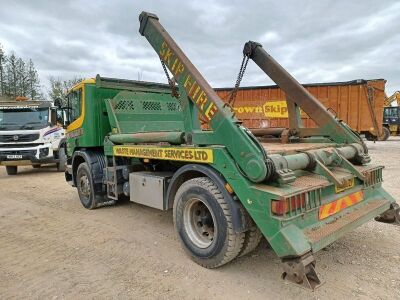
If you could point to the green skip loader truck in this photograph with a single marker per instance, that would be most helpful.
(179, 146)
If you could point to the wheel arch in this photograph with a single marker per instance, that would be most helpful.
(96, 161)
(189, 171)
(62, 143)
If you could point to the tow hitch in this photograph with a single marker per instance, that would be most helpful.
(301, 271)
(391, 216)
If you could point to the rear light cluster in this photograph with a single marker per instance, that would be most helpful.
(291, 204)
(373, 176)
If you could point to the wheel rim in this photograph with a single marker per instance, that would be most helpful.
(85, 185)
(199, 223)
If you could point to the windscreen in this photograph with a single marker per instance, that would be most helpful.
(27, 118)
(391, 112)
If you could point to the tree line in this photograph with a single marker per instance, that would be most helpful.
(59, 87)
(18, 78)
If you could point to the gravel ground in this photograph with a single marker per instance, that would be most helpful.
(51, 247)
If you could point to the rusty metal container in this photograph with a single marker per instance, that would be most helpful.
(359, 103)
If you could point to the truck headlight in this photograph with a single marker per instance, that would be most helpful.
(43, 152)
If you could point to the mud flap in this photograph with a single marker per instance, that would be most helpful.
(391, 216)
(301, 271)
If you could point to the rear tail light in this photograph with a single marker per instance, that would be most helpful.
(290, 204)
(373, 176)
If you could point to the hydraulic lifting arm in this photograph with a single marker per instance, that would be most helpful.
(394, 97)
(297, 96)
(196, 96)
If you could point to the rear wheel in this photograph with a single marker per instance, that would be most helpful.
(202, 219)
(11, 170)
(386, 133)
(370, 137)
(84, 184)
(251, 240)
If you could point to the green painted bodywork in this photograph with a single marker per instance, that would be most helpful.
(285, 234)
(124, 113)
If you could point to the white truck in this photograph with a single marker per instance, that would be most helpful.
(31, 133)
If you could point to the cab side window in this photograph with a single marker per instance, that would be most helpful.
(74, 103)
(60, 116)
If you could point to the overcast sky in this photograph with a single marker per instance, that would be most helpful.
(317, 41)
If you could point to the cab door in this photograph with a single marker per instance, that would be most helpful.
(75, 116)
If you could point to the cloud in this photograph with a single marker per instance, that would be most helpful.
(269, 37)
(316, 41)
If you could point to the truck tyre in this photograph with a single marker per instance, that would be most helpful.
(252, 239)
(202, 219)
(84, 184)
(62, 160)
(11, 170)
(370, 137)
(386, 133)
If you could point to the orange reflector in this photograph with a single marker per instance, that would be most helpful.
(228, 188)
(282, 207)
(334, 207)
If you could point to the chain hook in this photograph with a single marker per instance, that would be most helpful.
(174, 90)
(242, 70)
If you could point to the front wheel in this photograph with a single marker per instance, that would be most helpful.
(84, 184)
(11, 170)
(203, 222)
(62, 160)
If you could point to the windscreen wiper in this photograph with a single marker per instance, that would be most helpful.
(30, 124)
(2, 126)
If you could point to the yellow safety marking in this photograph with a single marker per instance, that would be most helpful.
(200, 155)
(348, 184)
(340, 204)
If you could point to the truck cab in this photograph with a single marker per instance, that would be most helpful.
(391, 119)
(31, 133)
(86, 120)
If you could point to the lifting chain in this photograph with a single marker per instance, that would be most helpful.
(243, 66)
(174, 90)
